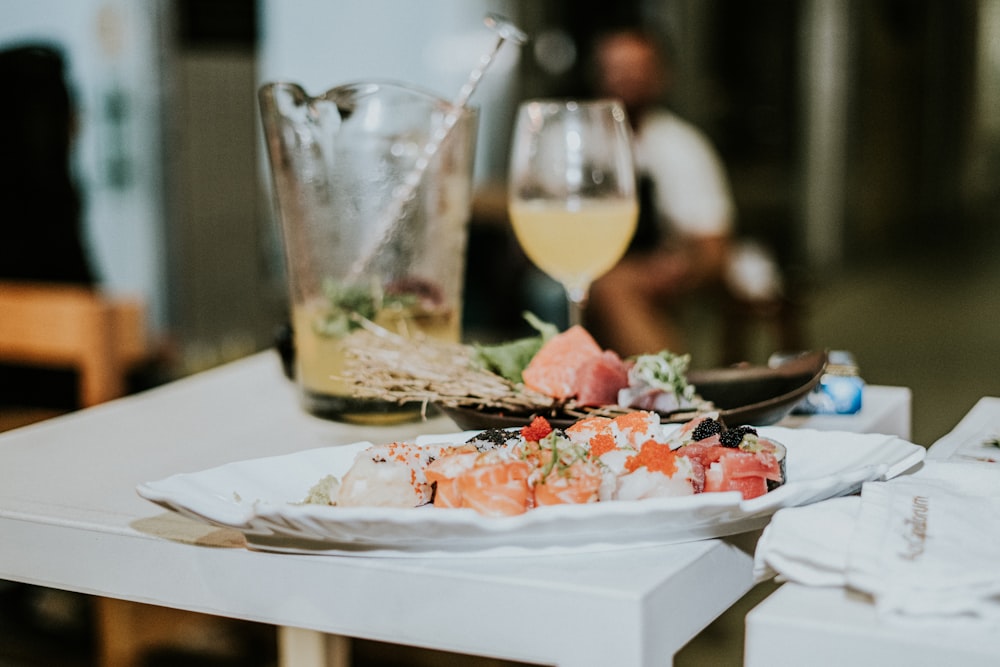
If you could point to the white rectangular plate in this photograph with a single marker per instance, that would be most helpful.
(262, 498)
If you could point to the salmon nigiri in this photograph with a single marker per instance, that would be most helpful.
(496, 485)
(444, 472)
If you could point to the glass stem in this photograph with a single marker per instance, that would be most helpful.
(576, 300)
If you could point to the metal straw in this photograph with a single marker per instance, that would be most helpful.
(506, 32)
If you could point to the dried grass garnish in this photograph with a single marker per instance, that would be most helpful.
(385, 366)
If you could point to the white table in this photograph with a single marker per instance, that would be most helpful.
(831, 627)
(70, 518)
(799, 625)
(884, 410)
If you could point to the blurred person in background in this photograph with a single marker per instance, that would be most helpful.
(40, 226)
(40, 236)
(683, 244)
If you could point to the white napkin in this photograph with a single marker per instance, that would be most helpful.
(808, 545)
(924, 546)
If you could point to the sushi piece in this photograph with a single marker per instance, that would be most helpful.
(496, 485)
(576, 483)
(746, 439)
(759, 445)
(738, 469)
(513, 472)
(443, 473)
(612, 441)
(389, 475)
(634, 428)
(734, 459)
(562, 471)
(595, 434)
(583, 430)
(656, 471)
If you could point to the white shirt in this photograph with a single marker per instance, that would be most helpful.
(692, 190)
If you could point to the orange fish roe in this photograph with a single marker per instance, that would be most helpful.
(635, 427)
(655, 456)
(587, 428)
(536, 430)
(601, 444)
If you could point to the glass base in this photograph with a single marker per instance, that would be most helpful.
(362, 411)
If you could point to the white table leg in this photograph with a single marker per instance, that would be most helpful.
(309, 648)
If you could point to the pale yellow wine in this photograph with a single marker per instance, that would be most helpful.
(574, 243)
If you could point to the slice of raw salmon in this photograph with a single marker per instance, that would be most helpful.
(497, 488)
(746, 472)
(444, 472)
(718, 478)
(554, 368)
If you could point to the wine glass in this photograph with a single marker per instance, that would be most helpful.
(572, 190)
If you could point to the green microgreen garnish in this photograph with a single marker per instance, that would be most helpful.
(666, 371)
(349, 305)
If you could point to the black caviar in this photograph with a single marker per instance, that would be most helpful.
(734, 436)
(706, 428)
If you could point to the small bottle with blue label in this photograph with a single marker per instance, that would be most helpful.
(840, 389)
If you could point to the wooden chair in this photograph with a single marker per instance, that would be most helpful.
(73, 327)
(760, 299)
(778, 319)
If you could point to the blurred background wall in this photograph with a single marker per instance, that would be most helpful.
(114, 64)
(852, 129)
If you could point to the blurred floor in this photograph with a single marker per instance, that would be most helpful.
(926, 320)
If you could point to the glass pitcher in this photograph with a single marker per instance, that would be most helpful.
(372, 187)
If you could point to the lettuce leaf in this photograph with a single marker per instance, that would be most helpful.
(509, 359)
